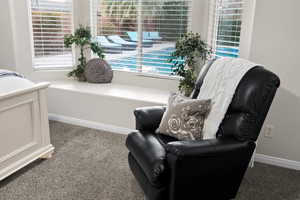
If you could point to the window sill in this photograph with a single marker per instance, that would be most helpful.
(114, 90)
(144, 74)
(58, 69)
(159, 76)
(135, 79)
(150, 75)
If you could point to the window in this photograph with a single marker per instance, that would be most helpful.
(226, 18)
(140, 35)
(51, 20)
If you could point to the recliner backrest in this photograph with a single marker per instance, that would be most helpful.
(200, 78)
(250, 104)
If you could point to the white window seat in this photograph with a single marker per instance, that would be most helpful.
(114, 90)
(103, 106)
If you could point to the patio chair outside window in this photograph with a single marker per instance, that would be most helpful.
(108, 46)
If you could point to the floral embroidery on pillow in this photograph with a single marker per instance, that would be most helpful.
(184, 117)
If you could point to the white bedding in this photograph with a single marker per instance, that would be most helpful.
(12, 83)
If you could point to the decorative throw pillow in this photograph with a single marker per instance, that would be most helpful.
(184, 117)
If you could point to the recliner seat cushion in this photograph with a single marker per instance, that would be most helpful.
(165, 139)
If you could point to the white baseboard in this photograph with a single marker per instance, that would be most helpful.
(280, 162)
(90, 124)
(290, 164)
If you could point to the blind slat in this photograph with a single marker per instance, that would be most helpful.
(51, 21)
(162, 23)
(226, 22)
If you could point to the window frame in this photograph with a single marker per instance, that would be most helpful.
(246, 28)
(54, 68)
(22, 44)
(139, 72)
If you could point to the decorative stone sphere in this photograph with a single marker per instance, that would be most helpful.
(98, 71)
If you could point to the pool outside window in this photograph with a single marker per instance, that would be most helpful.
(140, 35)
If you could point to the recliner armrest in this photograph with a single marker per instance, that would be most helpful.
(148, 118)
(209, 164)
(150, 154)
(202, 148)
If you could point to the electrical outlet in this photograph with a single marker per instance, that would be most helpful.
(269, 131)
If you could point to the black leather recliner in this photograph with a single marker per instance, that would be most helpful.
(167, 169)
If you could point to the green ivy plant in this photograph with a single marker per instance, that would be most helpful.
(188, 50)
(82, 38)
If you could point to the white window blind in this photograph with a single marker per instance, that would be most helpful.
(225, 27)
(150, 26)
(51, 21)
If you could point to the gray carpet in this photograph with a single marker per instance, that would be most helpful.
(92, 165)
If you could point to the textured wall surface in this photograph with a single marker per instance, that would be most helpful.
(7, 59)
(275, 44)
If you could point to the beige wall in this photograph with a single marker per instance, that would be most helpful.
(7, 59)
(200, 17)
(276, 44)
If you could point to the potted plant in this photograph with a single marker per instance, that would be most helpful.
(82, 38)
(189, 50)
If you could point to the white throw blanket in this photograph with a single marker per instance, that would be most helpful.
(219, 85)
